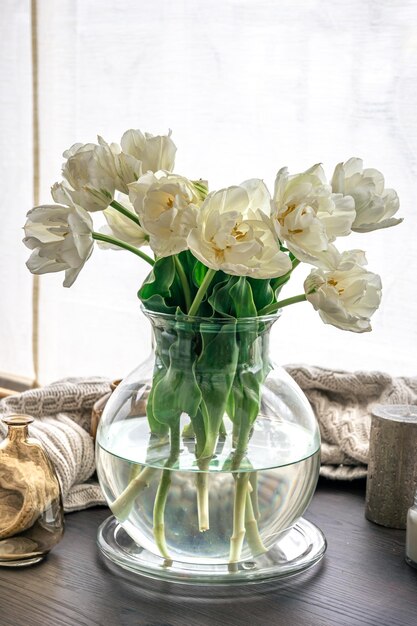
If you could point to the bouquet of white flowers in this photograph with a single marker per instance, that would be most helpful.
(223, 254)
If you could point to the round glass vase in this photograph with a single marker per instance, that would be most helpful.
(208, 455)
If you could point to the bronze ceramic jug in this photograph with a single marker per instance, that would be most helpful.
(31, 512)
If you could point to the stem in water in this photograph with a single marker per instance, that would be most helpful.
(159, 513)
(254, 494)
(122, 506)
(202, 482)
(236, 542)
(252, 531)
(162, 494)
(202, 486)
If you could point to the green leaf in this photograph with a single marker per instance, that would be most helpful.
(232, 297)
(159, 304)
(263, 293)
(220, 297)
(188, 262)
(215, 371)
(253, 366)
(156, 427)
(177, 391)
(278, 283)
(162, 290)
(199, 271)
(164, 338)
(242, 298)
(251, 384)
(197, 422)
(156, 291)
(206, 307)
(201, 188)
(230, 405)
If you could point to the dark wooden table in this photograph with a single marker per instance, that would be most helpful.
(363, 580)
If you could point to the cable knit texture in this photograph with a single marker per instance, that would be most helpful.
(62, 413)
(342, 402)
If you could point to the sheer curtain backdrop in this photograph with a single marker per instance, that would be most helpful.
(247, 86)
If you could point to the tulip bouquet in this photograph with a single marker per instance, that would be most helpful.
(222, 254)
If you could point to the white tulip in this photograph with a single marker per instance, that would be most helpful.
(93, 172)
(122, 227)
(154, 152)
(62, 193)
(166, 205)
(61, 240)
(307, 215)
(121, 168)
(347, 295)
(375, 205)
(233, 235)
(88, 182)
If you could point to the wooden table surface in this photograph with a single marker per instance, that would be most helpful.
(363, 580)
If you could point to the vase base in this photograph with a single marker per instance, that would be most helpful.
(298, 550)
(23, 562)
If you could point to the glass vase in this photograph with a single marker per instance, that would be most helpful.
(208, 455)
(31, 512)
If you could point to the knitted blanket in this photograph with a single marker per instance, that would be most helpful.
(342, 402)
(62, 413)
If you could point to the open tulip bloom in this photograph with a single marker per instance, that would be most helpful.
(214, 254)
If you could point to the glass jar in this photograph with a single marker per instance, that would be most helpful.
(411, 535)
(208, 455)
(31, 512)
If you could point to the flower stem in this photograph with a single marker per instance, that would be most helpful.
(254, 494)
(159, 513)
(124, 245)
(162, 494)
(202, 481)
(253, 537)
(242, 486)
(124, 211)
(202, 486)
(275, 306)
(122, 506)
(236, 542)
(241, 439)
(184, 282)
(201, 291)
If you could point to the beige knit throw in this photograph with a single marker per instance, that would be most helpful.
(342, 402)
(62, 413)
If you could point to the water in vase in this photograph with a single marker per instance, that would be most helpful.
(280, 467)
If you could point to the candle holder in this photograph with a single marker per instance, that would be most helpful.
(392, 467)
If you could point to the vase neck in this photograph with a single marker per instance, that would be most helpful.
(200, 344)
(248, 325)
(18, 427)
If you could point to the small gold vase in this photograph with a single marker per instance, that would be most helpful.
(31, 512)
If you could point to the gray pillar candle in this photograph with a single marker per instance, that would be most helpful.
(392, 467)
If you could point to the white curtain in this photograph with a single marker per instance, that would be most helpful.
(16, 194)
(247, 86)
